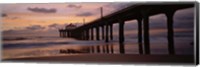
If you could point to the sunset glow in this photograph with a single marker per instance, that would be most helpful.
(19, 16)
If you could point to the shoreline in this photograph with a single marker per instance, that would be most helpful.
(111, 58)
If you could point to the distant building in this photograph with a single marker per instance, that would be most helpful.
(70, 26)
(64, 32)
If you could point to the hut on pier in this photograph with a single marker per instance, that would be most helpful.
(65, 32)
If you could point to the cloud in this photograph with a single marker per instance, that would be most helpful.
(4, 15)
(74, 6)
(35, 27)
(55, 26)
(184, 18)
(85, 14)
(9, 31)
(118, 6)
(42, 10)
(185, 14)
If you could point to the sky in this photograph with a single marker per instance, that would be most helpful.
(31, 19)
(19, 16)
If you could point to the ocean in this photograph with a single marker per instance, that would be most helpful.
(51, 45)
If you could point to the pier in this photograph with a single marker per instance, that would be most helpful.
(141, 13)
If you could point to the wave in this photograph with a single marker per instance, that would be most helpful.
(44, 44)
(12, 39)
(30, 45)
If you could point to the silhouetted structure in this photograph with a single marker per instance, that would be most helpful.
(66, 32)
(139, 12)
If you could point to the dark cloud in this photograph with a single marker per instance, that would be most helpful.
(185, 14)
(8, 31)
(55, 26)
(35, 27)
(118, 6)
(42, 10)
(184, 18)
(4, 15)
(182, 33)
(131, 26)
(157, 25)
(85, 14)
(74, 6)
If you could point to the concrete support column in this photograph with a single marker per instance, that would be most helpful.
(121, 37)
(68, 34)
(111, 31)
(170, 32)
(103, 49)
(89, 50)
(102, 28)
(84, 35)
(111, 49)
(72, 34)
(60, 34)
(107, 48)
(92, 49)
(98, 49)
(106, 40)
(64, 34)
(92, 34)
(97, 33)
(146, 33)
(87, 34)
(140, 36)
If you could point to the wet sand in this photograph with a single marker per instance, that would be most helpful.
(112, 58)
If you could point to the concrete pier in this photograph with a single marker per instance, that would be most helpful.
(141, 13)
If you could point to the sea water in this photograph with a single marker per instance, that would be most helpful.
(50, 46)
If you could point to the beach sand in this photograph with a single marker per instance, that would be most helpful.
(112, 58)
